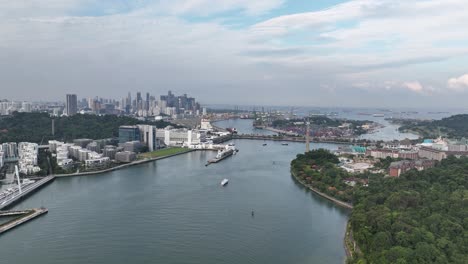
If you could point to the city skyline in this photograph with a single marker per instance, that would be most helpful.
(314, 53)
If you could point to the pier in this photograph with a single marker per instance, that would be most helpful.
(28, 215)
(11, 198)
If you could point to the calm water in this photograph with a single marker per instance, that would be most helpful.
(174, 211)
(388, 132)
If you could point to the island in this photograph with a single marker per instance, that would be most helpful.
(419, 217)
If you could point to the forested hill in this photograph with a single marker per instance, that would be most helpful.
(421, 217)
(454, 126)
(37, 127)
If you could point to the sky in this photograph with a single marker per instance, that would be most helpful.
(264, 52)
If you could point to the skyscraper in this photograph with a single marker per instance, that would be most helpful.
(72, 104)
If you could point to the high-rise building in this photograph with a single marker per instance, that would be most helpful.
(147, 101)
(129, 133)
(72, 104)
(148, 136)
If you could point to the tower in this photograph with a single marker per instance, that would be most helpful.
(72, 104)
(307, 135)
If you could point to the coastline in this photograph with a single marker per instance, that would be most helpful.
(328, 197)
(134, 163)
(349, 244)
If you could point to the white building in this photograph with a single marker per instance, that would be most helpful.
(181, 137)
(28, 153)
(148, 136)
(2, 161)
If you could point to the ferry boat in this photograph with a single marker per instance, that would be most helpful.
(284, 144)
(224, 182)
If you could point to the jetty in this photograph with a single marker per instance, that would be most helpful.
(27, 216)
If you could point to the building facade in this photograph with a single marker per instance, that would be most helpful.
(72, 104)
(129, 133)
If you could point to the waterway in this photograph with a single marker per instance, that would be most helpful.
(175, 211)
(387, 132)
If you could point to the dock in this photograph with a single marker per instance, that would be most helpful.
(15, 196)
(216, 160)
(30, 215)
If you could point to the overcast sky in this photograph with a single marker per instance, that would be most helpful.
(271, 52)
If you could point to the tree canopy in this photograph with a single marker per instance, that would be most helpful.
(421, 217)
(37, 127)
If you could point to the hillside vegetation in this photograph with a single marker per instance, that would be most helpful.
(37, 127)
(454, 126)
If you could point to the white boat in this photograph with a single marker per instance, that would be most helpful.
(224, 182)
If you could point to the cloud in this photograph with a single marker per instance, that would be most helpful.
(110, 47)
(414, 86)
(458, 84)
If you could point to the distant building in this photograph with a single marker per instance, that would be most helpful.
(2, 161)
(125, 156)
(399, 167)
(129, 133)
(10, 150)
(148, 136)
(110, 151)
(72, 104)
(132, 146)
(431, 153)
(82, 142)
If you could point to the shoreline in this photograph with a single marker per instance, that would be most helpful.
(123, 166)
(348, 240)
(326, 196)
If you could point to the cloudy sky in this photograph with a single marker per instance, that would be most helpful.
(271, 52)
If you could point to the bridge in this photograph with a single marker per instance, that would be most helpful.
(10, 198)
(300, 139)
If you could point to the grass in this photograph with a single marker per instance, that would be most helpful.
(162, 153)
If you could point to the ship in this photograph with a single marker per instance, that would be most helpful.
(222, 154)
(224, 182)
(378, 115)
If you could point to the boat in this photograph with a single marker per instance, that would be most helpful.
(224, 182)
(232, 130)
(378, 115)
(222, 154)
(264, 144)
(284, 144)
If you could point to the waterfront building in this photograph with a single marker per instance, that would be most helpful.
(97, 162)
(28, 153)
(148, 136)
(125, 156)
(181, 137)
(110, 151)
(129, 133)
(2, 161)
(71, 104)
(132, 146)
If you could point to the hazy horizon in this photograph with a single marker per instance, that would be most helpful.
(360, 53)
